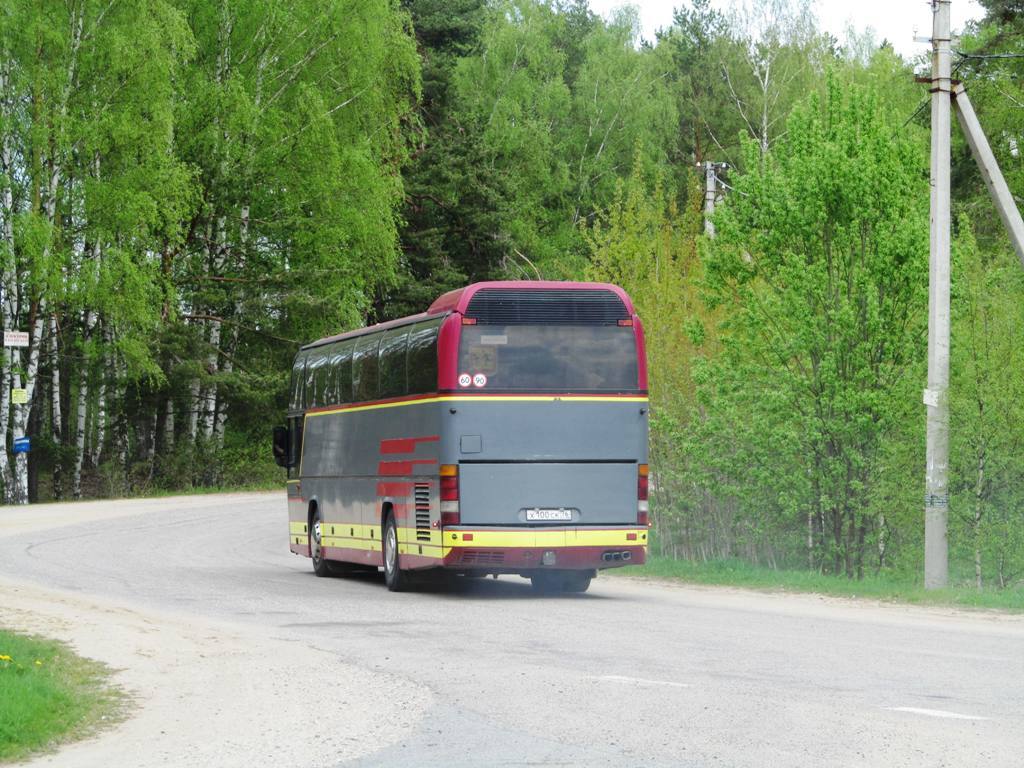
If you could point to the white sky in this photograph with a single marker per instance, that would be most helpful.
(895, 20)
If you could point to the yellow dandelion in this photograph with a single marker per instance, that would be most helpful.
(4, 657)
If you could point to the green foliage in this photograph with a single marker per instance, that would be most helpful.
(819, 268)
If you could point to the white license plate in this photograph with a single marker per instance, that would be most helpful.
(548, 514)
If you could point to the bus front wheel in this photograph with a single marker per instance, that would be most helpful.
(396, 579)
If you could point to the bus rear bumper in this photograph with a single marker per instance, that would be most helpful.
(517, 559)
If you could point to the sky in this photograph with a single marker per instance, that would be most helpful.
(895, 20)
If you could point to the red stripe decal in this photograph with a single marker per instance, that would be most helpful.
(405, 444)
(393, 489)
(399, 468)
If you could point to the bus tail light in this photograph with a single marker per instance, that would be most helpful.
(642, 510)
(449, 494)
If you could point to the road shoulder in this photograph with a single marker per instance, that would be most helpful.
(210, 694)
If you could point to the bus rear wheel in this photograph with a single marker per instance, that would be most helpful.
(578, 581)
(396, 579)
(320, 566)
(554, 582)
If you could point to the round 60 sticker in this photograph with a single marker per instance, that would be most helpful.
(479, 380)
(465, 380)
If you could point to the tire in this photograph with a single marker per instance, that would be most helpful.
(556, 582)
(321, 567)
(396, 579)
(577, 581)
(547, 582)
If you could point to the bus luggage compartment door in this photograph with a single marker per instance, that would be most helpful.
(518, 493)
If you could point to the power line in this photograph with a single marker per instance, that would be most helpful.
(983, 56)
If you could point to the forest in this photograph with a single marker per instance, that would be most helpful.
(190, 189)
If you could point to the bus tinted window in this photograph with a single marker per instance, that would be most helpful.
(297, 383)
(364, 368)
(307, 386)
(550, 358)
(392, 363)
(341, 371)
(316, 370)
(422, 357)
(321, 378)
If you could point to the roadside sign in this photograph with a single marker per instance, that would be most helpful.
(15, 338)
(19, 396)
(22, 444)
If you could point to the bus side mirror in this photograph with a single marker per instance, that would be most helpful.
(281, 446)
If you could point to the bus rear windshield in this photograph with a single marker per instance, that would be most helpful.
(548, 358)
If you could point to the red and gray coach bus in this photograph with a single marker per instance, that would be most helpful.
(502, 431)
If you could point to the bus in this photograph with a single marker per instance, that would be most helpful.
(502, 431)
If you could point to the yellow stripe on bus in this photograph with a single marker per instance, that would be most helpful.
(572, 537)
(487, 399)
(366, 537)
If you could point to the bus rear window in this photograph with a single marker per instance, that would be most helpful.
(549, 358)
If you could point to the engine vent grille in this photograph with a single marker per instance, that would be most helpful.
(421, 493)
(483, 557)
(502, 306)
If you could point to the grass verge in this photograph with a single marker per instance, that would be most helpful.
(49, 695)
(736, 573)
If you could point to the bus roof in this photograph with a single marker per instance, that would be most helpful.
(458, 300)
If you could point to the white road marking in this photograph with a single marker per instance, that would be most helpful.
(639, 681)
(936, 713)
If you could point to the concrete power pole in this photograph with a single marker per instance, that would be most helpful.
(936, 495)
(710, 193)
(989, 168)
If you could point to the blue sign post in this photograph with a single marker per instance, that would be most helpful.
(22, 444)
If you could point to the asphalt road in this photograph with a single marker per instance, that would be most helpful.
(630, 674)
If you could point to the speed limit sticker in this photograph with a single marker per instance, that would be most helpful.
(465, 380)
(479, 380)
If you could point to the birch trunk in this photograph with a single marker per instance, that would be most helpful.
(56, 417)
(21, 412)
(101, 399)
(193, 414)
(8, 284)
(81, 409)
(168, 439)
(210, 390)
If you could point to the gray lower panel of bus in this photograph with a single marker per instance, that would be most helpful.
(510, 493)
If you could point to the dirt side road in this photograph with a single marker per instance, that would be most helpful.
(237, 655)
(204, 693)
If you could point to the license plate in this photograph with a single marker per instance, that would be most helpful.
(548, 514)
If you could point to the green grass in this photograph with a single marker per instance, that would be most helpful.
(49, 695)
(736, 573)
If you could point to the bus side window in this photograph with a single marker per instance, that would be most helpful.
(298, 383)
(422, 357)
(310, 395)
(321, 379)
(330, 390)
(364, 368)
(341, 367)
(392, 363)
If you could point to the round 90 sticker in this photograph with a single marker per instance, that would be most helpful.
(465, 380)
(479, 380)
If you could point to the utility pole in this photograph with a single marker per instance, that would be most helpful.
(711, 193)
(989, 168)
(936, 495)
